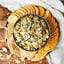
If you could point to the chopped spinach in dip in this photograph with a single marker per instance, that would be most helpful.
(31, 32)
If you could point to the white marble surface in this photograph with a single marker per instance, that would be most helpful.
(54, 6)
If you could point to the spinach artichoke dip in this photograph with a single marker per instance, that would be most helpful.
(31, 32)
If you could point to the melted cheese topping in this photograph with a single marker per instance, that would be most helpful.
(31, 32)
